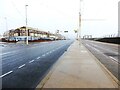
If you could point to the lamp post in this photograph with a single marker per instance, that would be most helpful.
(79, 31)
(26, 24)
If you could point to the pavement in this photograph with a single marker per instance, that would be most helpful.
(78, 68)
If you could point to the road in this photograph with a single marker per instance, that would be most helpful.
(24, 66)
(107, 54)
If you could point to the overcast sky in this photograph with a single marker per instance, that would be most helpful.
(99, 17)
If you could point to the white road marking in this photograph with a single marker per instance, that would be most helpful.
(31, 61)
(97, 50)
(48, 53)
(104, 49)
(43, 55)
(21, 66)
(88, 45)
(38, 57)
(6, 74)
(113, 58)
(7, 53)
(93, 48)
(19, 50)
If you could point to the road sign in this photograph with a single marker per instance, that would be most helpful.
(65, 31)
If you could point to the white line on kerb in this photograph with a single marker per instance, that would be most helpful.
(6, 74)
(21, 66)
(31, 61)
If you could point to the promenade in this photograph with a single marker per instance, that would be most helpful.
(77, 68)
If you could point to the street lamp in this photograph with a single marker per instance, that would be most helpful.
(26, 24)
(79, 31)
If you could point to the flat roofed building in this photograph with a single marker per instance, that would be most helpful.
(20, 34)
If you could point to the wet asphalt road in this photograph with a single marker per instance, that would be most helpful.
(108, 54)
(25, 66)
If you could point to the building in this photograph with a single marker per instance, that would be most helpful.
(19, 34)
(60, 37)
(87, 36)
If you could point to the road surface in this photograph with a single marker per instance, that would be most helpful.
(24, 66)
(107, 54)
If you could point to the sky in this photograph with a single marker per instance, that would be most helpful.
(99, 17)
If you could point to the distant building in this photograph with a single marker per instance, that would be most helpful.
(87, 36)
(60, 37)
(19, 34)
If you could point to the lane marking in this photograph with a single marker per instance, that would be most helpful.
(47, 53)
(97, 50)
(38, 57)
(31, 61)
(50, 52)
(104, 48)
(6, 74)
(114, 59)
(43, 55)
(7, 53)
(93, 48)
(21, 66)
(20, 50)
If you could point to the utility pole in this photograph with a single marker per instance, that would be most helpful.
(26, 24)
(79, 31)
